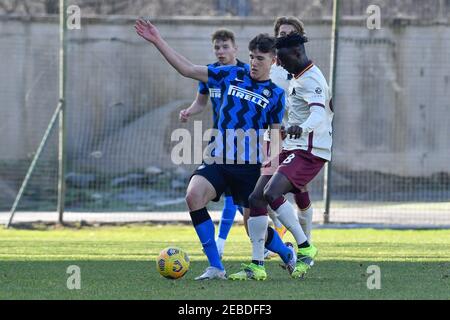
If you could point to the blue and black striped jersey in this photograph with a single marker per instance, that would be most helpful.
(248, 106)
(215, 93)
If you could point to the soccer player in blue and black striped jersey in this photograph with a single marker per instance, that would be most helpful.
(225, 50)
(252, 104)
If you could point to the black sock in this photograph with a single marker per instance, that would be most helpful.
(304, 245)
(269, 236)
(258, 263)
(199, 216)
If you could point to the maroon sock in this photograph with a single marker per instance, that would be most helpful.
(257, 212)
(277, 203)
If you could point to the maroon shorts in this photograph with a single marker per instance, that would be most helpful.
(299, 166)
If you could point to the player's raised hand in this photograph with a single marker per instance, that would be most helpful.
(295, 132)
(184, 115)
(147, 30)
(186, 68)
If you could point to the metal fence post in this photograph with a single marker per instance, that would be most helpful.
(333, 67)
(62, 114)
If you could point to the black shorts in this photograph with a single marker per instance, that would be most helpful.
(227, 192)
(239, 179)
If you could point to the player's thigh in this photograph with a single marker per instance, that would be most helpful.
(277, 186)
(199, 192)
(202, 185)
(214, 174)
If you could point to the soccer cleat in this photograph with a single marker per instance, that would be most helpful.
(290, 266)
(269, 254)
(212, 273)
(250, 272)
(292, 263)
(305, 260)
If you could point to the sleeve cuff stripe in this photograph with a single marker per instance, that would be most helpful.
(316, 104)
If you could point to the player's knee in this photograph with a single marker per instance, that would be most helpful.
(255, 200)
(195, 199)
(271, 195)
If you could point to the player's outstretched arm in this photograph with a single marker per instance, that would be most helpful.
(149, 32)
(196, 107)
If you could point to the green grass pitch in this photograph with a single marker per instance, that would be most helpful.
(119, 263)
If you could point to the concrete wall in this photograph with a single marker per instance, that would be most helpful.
(393, 102)
(392, 106)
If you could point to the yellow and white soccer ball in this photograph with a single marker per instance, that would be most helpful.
(172, 263)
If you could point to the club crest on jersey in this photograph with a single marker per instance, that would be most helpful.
(319, 90)
(267, 93)
(215, 93)
(248, 96)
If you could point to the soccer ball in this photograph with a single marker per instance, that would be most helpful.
(172, 263)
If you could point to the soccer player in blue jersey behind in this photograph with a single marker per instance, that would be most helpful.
(253, 103)
(225, 50)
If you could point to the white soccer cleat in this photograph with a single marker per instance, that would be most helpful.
(213, 273)
(290, 266)
(268, 254)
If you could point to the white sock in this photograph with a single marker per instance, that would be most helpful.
(257, 229)
(288, 217)
(305, 218)
(220, 245)
(275, 220)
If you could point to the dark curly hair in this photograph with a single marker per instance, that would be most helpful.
(291, 40)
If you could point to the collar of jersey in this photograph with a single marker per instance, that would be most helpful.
(239, 63)
(309, 66)
(257, 81)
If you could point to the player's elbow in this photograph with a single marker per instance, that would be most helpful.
(201, 105)
(188, 72)
(184, 73)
